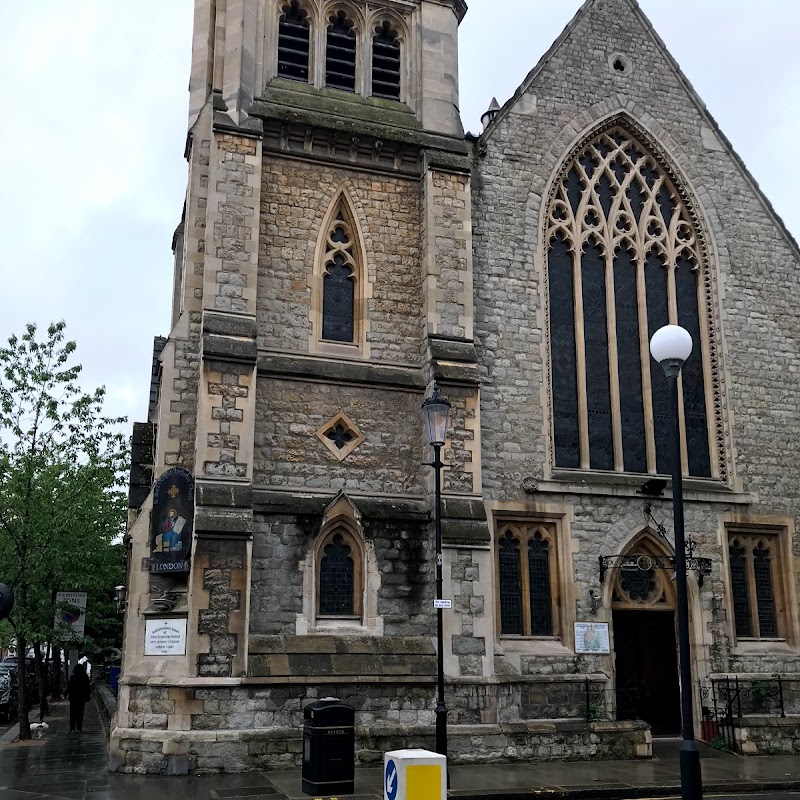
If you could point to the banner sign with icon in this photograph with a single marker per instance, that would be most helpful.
(172, 522)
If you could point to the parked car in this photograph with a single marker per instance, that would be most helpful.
(8, 696)
(9, 664)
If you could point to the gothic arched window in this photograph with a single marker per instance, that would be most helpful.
(526, 578)
(339, 279)
(294, 33)
(386, 62)
(337, 577)
(340, 53)
(624, 259)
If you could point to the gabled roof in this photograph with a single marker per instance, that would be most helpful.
(694, 96)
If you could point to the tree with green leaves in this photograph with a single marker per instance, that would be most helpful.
(62, 464)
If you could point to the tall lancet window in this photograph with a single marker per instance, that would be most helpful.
(624, 258)
(293, 42)
(340, 53)
(339, 278)
(386, 62)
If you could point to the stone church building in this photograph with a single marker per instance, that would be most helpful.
(343, 247)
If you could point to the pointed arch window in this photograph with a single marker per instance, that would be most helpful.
(340, 53)
(526, 578)
(624, 258)
(294, 34)
(340, 278)
(386, 62)
(340, 575)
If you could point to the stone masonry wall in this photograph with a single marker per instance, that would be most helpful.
(295, 199)
(260, 727)
(289, 454)
(280, 544)
(755, 267)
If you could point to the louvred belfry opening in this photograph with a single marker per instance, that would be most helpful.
(340, 54)
(386, 63)
(293, 42)
(624, 258)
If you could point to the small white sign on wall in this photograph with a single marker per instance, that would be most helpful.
(591, 637)
(165, 637)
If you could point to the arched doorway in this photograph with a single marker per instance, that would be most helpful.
(645, 650)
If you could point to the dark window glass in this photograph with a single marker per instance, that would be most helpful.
(574, 188)
(598, 389)
(293, 43)
(336, 578)
(606, 194)
(562, 342)
(539, 576)
(655, 277)
(629, 358)
(340, 55)
(692, 378)
(386, 63)
(762, 567)
(741, 600)
(510, 586)
(338, 301)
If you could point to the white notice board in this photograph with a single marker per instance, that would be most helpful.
(591, 637)
(165, 637)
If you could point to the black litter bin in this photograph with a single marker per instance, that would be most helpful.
(329, 748)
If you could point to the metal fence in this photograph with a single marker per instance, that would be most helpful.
(726, 700)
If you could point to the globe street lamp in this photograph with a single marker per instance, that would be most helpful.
(671, 346)
(435, 412)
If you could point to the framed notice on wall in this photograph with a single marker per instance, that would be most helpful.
(165, 637)
(591, 637)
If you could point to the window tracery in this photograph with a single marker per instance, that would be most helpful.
(339, 280)
(527, 581)
(754, 586)
(624, 258)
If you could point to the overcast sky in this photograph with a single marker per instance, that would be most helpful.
(93, 130)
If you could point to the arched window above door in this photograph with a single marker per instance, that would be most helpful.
(625, 256)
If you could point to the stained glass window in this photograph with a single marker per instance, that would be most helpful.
(692, 377)
(386, 63)
(510, 586)
(340, 54)
(765, 601)
(338, 301)
(562, 336)
(618, 231)
(336, 578)
(539, 576)
(595, 328)
(629, 358)
(526, 565)
(293, 42)
(739, 589)
(340, 278)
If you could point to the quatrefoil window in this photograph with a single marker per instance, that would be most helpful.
(340, 435)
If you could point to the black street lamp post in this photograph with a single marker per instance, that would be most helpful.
(435, 411)
(671, 346)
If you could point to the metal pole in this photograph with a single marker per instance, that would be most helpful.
(441, 708)
(691, 777)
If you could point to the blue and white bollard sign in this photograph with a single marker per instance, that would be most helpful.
(414, 775)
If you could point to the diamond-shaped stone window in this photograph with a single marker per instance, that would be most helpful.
(340, 435)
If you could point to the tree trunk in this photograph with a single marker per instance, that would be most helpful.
(22, 697)
(40, 681)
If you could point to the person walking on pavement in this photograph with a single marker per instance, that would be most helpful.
(79, 692)
(87, 665)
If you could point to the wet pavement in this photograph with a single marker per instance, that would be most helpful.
(64, 766)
